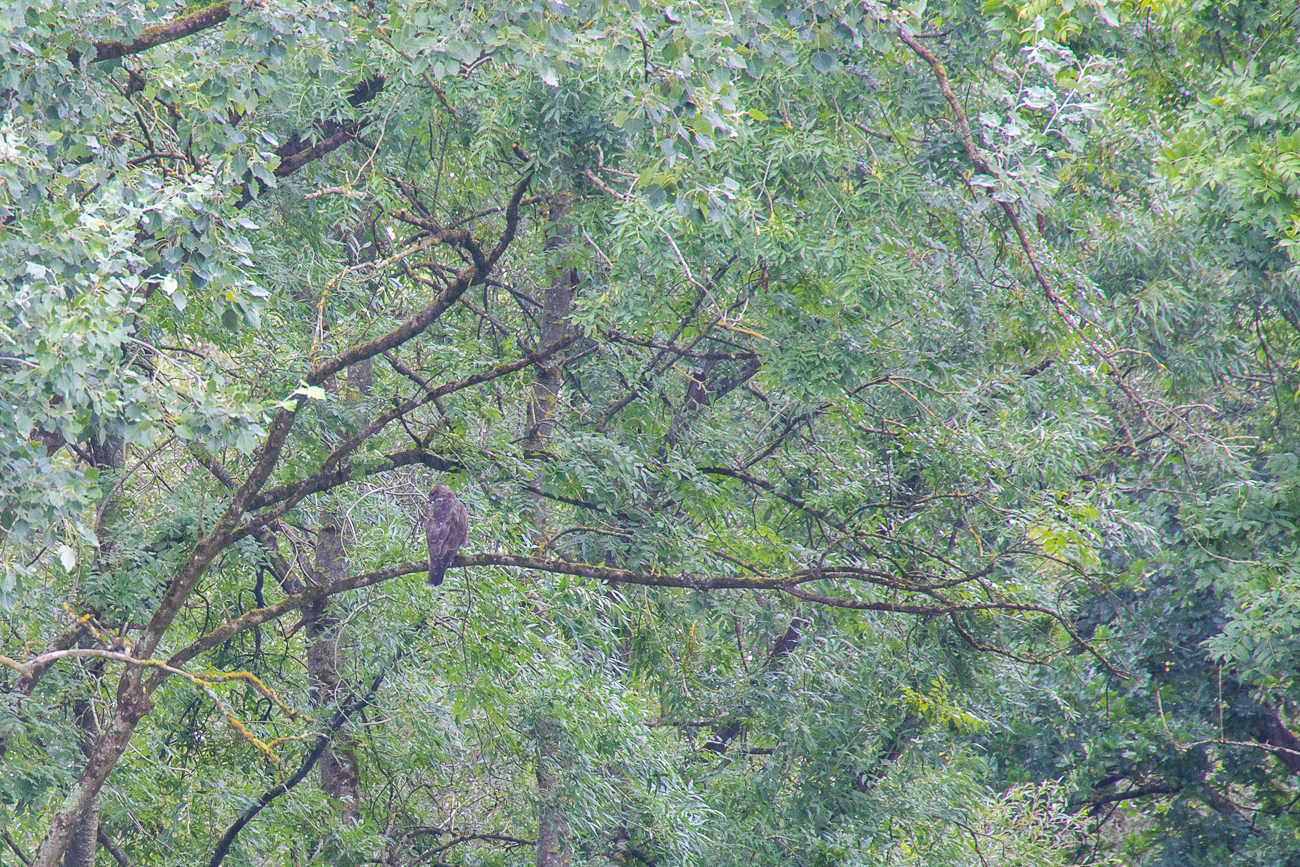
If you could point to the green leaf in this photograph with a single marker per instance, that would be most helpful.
(823, 61)
(616, 59)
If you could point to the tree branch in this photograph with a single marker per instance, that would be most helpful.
(342, 715)
(333, 468)
(296, 159)
(465, 278)
(784, 646)
(345, 472)
(786, 583)
(169, 31)
(114, 849)
(296, 153)
(1097, 803)
(27, 682)
(1278, 735)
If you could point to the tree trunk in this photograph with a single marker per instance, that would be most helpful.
(543, 403)
(556, 303)
(340, 774)
(552, 827)
(81, 848)
(110, 455)
(130, 710)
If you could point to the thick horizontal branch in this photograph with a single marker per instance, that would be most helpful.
(169, 31)
(258, 616)
(684, 581)
(1097, 803)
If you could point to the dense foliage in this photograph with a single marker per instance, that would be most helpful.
(878, 424)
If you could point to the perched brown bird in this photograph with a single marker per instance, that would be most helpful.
(446, 527)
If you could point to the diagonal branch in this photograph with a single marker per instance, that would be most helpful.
(1095, 805)
(1077, 321)
(414, 326)
(333, 468)
(169, 31)
(345, 472)
(296, 153)
(114, 848)
(296, 159)
(345, 712)
(133, 691)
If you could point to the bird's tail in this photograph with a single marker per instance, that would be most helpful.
(436, 571)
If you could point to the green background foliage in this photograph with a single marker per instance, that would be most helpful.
(878, 425)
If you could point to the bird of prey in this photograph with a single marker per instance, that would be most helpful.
(446, 527)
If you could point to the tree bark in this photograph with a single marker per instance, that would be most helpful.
(553, 833)
(107, 455)
(1277, 734)
(160, 34)
(104, 757)
(552, 827)
(556, 303)
(544, 400)
(340, 773)
(81, 848)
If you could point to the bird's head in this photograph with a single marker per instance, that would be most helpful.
(439, 491)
